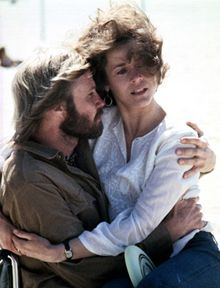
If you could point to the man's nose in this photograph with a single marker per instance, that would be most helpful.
(99, 102)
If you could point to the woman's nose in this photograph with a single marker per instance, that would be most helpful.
(136, 75)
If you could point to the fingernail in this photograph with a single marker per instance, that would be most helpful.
(178, 152)
(183, 141)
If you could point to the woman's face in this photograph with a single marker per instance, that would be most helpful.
(128, 78)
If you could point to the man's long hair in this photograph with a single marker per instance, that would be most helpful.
(42, 82)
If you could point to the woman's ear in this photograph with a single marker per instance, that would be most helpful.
(107, 98)
(107, 88)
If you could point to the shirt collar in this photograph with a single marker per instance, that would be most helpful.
(40, 150)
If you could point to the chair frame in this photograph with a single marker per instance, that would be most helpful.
(14, 267)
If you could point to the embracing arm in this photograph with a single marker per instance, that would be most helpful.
(184, 217)
(201, 157)
(157, 189)
(6, 232)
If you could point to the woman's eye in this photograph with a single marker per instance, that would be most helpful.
(121, 71)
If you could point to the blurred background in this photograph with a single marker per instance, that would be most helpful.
(190, 29)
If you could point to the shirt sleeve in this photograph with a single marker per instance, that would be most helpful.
(164, 187)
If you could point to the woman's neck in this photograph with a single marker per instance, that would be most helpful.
(138, 122)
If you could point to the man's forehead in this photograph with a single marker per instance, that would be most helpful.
(85, 81)
(88, 74)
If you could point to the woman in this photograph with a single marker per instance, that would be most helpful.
(140, 173)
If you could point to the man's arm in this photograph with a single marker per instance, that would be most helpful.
(201, 157)
(182, 219)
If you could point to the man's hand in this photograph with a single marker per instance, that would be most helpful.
(183, 218)
(6, 232)
(32, 245)
(35, 246)
(202, 158)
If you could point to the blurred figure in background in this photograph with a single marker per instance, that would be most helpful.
(5, 60)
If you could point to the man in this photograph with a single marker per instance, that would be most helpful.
(46, 194)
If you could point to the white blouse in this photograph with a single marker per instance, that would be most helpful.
(142, 191)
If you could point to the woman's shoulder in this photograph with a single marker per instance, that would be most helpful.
(174, 128)
(170, 132)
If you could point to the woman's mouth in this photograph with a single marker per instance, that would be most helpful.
(139, 91)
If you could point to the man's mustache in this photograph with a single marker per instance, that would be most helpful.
(99, 113)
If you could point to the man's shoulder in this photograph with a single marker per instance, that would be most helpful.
(21, 167)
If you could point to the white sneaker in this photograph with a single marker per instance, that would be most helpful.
(138, 264)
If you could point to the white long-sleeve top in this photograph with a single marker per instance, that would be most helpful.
(142, 191)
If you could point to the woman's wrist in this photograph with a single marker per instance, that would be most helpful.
(79, 250)
(57, 253)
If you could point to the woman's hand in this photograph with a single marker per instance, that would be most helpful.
(6, 232)
(32, 245)
(202, 158)
(183, 218)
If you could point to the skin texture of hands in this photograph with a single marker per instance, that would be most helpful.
(32, 245)
(201, 157)
(183, 218)
(6, 232)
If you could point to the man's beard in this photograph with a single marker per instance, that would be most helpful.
(76, 125)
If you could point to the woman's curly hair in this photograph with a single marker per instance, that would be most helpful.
(115, 27)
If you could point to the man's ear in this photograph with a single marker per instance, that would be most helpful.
(60, 107)
(60, 111)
